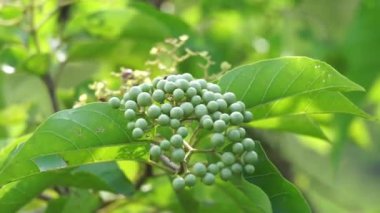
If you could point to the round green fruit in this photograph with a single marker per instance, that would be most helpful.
(178, 155)
(178, 183)
(249, 169)
(228, 158)
(208, 179)
(225, 174)
(250, 157)
(144, 99)
(190, 180)
(248, 144)
(114, 102)
(199, 169)
(137, 133)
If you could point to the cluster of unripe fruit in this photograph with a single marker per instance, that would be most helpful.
(186, 106)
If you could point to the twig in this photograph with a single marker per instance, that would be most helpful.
(49, 83)
(148, 172)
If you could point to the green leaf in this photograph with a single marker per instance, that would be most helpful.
(79, 200)
(102, 176)
(283, 195)
(298, 124)
(270, 80)
(89, 134)
(38, 64)
(235, 196)
(310, 103)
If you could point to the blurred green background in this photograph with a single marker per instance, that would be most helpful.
(80, 42)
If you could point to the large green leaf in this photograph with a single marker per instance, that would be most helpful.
(235, 196)
(283, 195)
(298, 124)
(270, 80)
(79, 201)
(89, 134)
(102, 176)
(311, 103)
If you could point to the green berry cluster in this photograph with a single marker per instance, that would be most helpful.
(177, 102)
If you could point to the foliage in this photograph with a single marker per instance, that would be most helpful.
(57, 56)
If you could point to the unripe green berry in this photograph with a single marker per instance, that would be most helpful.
(250, 157)
(163, 120)
(213, 87)
(212, 106)
(155, 152)
(126, 96)
(155, 82)
(208, 179)
(169, 87)
(178, 94)
(114, 102)
(158, 95)
(175, 123)
(178, 183)
(195, 85)
(225, 174)
(187, 108)
(144, 99)
(242, 132)
(182, 131)
(131, 105)
(178, 155)
(216, 115)
(153, 111)
(161, 84)
(201, 110)
(228, 158)
(129, 114)
(176, 112)
(196, 100)
(141, 123)
(225, 117)
(191, 91)
(236, 107)
(199, 169)
(238, 148)
(166, 107)
(176, 141)
(208, 96)
(172, 78)
(222, 104)
(134, 92)
(229, 97)
(233, 135)
(137, 133)
(203, 83)
(213, 168)
(236, 118)
(145, 87)
(217, 139)
(182, 84)
(207, 123)
(187, 76)
(190, 180)
(219, 126)
(248, 144)
(249, 169)
(165, 144)
(236, 168)
(248, 116)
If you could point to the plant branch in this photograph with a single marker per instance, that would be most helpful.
(49, 83)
